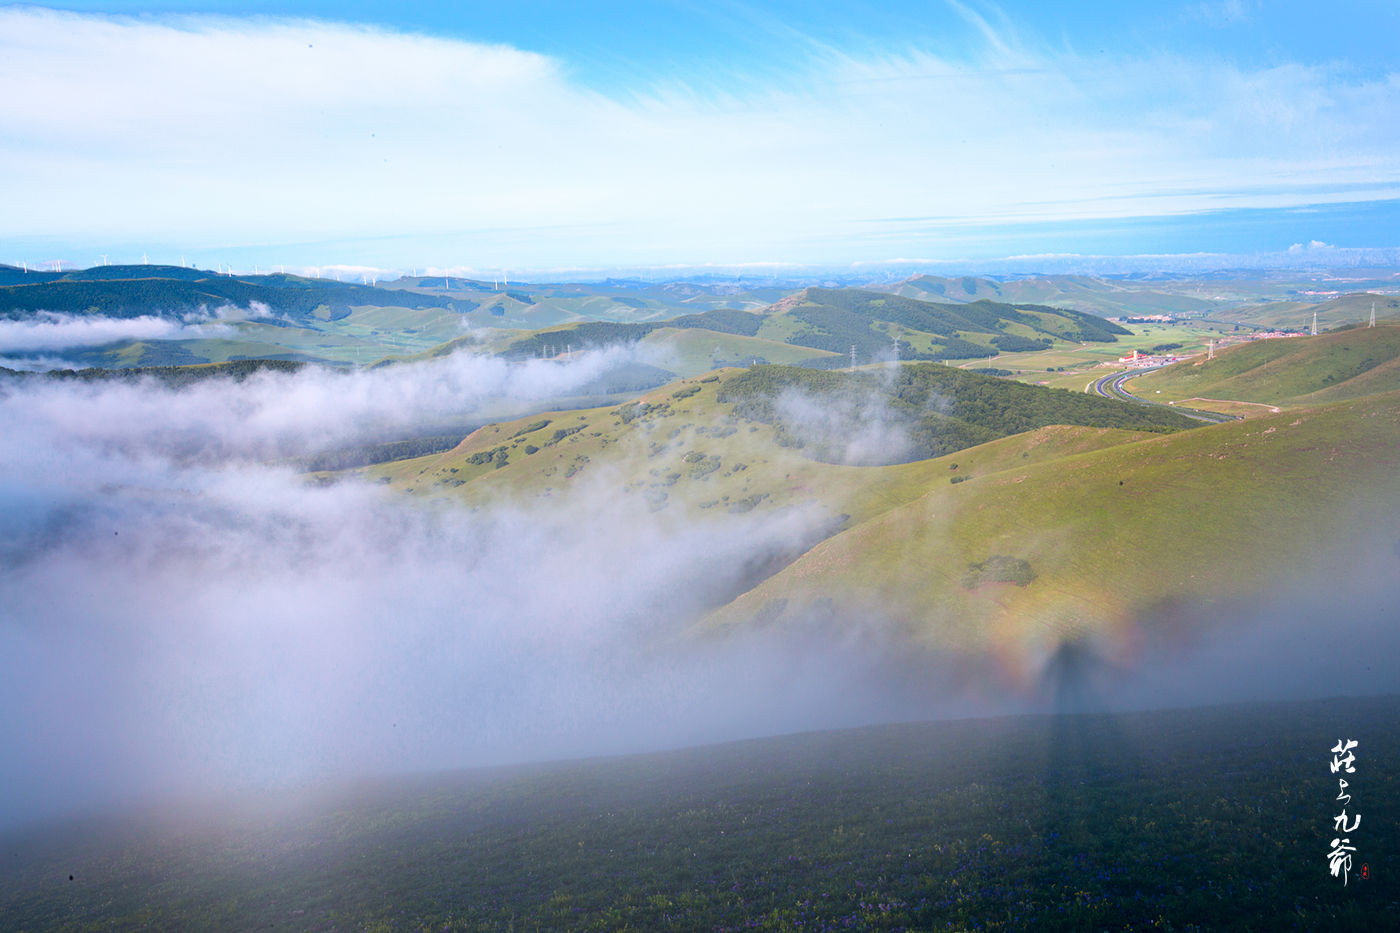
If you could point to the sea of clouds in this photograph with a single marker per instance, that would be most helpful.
(180, 612)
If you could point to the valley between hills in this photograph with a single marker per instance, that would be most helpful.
(957, 487)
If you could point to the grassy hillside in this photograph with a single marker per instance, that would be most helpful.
(692, 352)
(129, 291)
(1110, 535)
(1187, 819)
(1292, 371)
(708, 447)
(934, 409)
(837, 320)
(1297, 314)
(1268, 299)
(718, 443)
(1006, 546)
(292, 317)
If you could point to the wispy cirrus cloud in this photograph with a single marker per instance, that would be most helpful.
(218, 129)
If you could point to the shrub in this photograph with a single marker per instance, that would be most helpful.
(999, 568)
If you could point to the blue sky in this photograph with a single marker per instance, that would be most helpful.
(539, 136)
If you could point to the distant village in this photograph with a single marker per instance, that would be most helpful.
(1139, 360)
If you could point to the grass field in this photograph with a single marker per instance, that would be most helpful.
(1292, 371)
(692, 352)
(1215, 513)
(1205, 819)
(1354, 308)
(1112, 523)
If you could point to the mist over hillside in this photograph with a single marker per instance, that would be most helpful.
(183, 614)
(179, 615)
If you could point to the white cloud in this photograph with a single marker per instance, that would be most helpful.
(176, 615)
(47, 330)
(256, 130)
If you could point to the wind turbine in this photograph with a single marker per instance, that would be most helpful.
(145, 260)
(1373, 314)
(104, 262)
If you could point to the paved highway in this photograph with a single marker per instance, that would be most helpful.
(1111, 386)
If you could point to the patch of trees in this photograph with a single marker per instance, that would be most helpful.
(561, 433)
(926, 316)
(586, 334)
(837, 330)
(483, 457)
(999, 568)
(980, 316)
(1011, 343)
(176, 376)
(162, 294)
(723, 320)
(633, 410)
(607, 333)
(531, 428)
(837, 319)
(938, 409)
(351, 458)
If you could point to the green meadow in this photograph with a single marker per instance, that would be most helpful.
(1201, 819)
(1342, 364)
(1004, 541)
(1115, 522)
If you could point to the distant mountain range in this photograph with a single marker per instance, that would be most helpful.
(704, 324)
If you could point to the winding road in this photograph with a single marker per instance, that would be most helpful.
(1111, 386)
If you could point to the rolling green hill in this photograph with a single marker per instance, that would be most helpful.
(1290, 371)
(723, 439)
(1297, 314)
(1036, 531)
(130, 291)
(1112, 536)
(836, 321)
(1268, 299)
(937, 409)
(320, 320)
(1177, 819)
